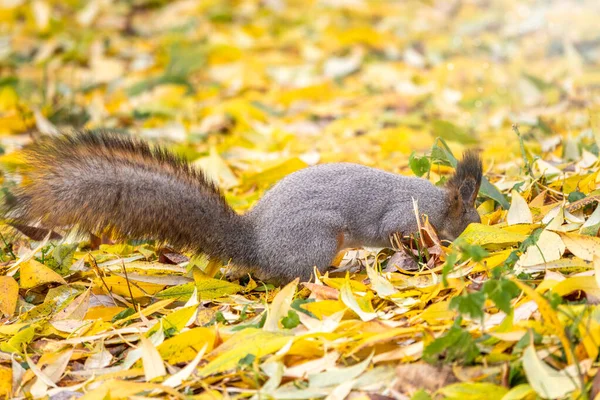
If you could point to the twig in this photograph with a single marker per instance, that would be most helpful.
(99, 273)
(128, 285)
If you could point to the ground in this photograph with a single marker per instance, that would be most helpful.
(251, 91)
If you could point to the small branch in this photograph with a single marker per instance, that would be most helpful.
(99, 273)
(128, 285)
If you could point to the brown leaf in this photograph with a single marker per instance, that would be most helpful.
(322, 292)
(412, 377)
(401, 261)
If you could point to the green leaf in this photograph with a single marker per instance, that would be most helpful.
(531, 239)
(419, 165)
(291, 321)
(16, 341)
(123, 314)
(449, 131)
(574, 196)
(420, 395)
(490, 191)
(501, 292)
(63, 256)
(247, 361)
(297, 305)
(455, 345)
(473, 391)
(519, 392)
(469, 304)
(473, 251)
(448, 267)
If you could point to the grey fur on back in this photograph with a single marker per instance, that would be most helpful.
(310, 215)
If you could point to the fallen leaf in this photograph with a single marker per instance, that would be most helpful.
(35, 274)
(519, 212)
(9, 294)
(547, 382)
(152, 361)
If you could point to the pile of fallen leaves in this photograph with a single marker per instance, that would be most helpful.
(251, 91)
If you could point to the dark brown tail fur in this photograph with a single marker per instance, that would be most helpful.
(108, 183)
(467, 177)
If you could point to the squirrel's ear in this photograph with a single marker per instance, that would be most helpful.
(468, 191)
(467, 178)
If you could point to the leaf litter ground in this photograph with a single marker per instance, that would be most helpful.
(252, 91)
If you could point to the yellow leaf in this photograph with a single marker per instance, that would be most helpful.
(181, 375)
(347, 297)
(9, 294)
(574, 283)
(253, 341)
(311, 93)
(118, 249)
(76, 309)
(497, 258)
(520, 392)
(548, 248)
(324, 308)
(5, 382)
(597, 270)
(546, 381)
(15, 343)
(181, 318)
(380, 285)
(153, 363)
(369, 339)
(337, 283)
(484, 235)
(210, 288)
(39, 312)
(550, 317)
(35, 274)
(274, 174)
(438, 313)
(584, 247)
(217, 170)
(117, 284)
(102, 312)
(151, 309)
(12, 329)
(519, 212)
(117, 389)
(280, 306)
(184, 346)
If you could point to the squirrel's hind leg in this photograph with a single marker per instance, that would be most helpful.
(318, 251)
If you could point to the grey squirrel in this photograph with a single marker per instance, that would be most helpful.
(105, 182)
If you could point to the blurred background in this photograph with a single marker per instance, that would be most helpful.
(254, 90)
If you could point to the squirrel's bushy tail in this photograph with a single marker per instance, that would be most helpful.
(109, 183)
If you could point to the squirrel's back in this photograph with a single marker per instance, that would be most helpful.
(329, 207)
(355, 192)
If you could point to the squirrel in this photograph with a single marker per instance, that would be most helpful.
(115, 184)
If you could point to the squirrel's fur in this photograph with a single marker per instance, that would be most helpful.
(105, 182)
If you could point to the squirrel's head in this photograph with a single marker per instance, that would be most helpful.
(462, 189)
